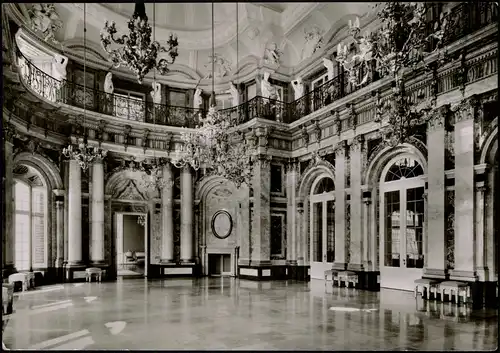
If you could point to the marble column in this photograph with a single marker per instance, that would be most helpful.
(291, 185)
(261, 225)
(480, 250)
(186, 215)
(464, 192)
(59, 228)
(75, 214)
(8, 237)
(435, 255)
(167, 214)
(300, 235)
(356, 244)
(340, 246)
(244, 227)
(97, 234)
(368, 261)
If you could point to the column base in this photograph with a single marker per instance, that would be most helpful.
(98, 263)
(339, 266)
(355, 267)
(291, 262)
(465, 276)
(187, 262)
(435, 273)
(74, 272)
(260, 263)
(298, 273)
(167, 261)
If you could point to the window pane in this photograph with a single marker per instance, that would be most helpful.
(276, 178)
(392, 229)
(22, 197)
(414, 228)
(317, 232)
(276, 236)
(404, 168)
(38, 199)
(22, 244)
(330, 231)
(38, 239)
(177, 99)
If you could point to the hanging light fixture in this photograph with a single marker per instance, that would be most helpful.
(152, 177)
(138, 53)
(83, 153)
(399, 45)
(216, 144)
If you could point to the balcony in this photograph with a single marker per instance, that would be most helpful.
(465, 18)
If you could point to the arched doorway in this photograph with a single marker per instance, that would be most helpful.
(402, 212)
(322, 226)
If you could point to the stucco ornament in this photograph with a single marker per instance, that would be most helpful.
(273, 54)
(313, 41)
(221, 66)
(45, 19)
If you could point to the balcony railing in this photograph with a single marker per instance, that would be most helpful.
(465, 18)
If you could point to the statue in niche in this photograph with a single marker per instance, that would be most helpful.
(329, 67)
(221, 66)
(156, 92)
(198, 99)
(45, 19)
(273, 54)
(235, 94)
(313, 41)
(108, 83)
(267, 90)
(59, 63)
(298, 87)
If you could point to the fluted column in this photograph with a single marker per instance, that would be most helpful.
(97, 234)
(357, 229)
(74, 214)
(464, 192)
(436, 217)
(291, 184)
(186, 215)
(340, 248)
(167, 200)
(8, 216)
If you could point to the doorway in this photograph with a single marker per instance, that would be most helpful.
(322, 225)
(402, 223)
(131, 244)
(219, 265)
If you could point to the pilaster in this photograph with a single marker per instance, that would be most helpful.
(8, 231)
(97, 223)
(435, 257)
(291, 187)
(187, 203)
(167, 200)
(340, 245)
(59, 203)
(75, 214)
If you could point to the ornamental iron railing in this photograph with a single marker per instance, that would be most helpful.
(464, 18)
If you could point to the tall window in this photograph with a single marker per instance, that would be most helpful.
(29, 225)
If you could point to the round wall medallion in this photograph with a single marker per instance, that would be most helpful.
(222, 224)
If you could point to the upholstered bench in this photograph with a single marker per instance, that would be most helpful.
(89, 272)
(22, 277)
(427, 286)
(347, 277)
(455, 288)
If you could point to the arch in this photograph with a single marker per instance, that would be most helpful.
(337, 27)
(382, 157)
(209, 182)
(119, 181)
(312, 174)
(490, 144)
(47, 168)
(319, 183)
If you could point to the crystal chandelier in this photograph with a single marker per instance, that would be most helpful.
(138, 53)
(399, 45)
(216, 144)
(84, 154)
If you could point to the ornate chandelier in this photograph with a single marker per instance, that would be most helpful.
(400, 44)
(84, 154)
(216, 144)
(138, 53)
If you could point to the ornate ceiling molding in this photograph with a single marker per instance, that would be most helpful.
(294, 15)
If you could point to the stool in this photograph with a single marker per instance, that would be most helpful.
(347, 277)
(455, 288)
(425, 285)
(22, 277)
(93, 271)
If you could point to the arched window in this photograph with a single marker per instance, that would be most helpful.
(324, 185)
(404, 168)
(29, 224)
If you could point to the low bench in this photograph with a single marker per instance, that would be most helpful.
(427, 286)
(24, 277)
(347, 277)
(455, 289)
(93, 271)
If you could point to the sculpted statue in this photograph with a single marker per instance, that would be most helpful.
(267, 90)
(234, 94)
(329, 66)
(313, 41)
(298, 87)
(156, 93)
(272, 55)
(198, 99)
(59, 63)
(108, 83)
(45, 19)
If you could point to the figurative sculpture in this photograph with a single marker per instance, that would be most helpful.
(108, 83)
(156, 93)
(298, 87)
(234, 94)
(198, 99)
(329, 66)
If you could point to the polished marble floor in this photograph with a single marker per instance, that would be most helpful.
(227, 313)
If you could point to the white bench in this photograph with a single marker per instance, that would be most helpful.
(347, 277)
(427, 286)
(24, 277)
(456, 289)
(89, 272)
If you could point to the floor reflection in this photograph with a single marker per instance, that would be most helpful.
(227, 313)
